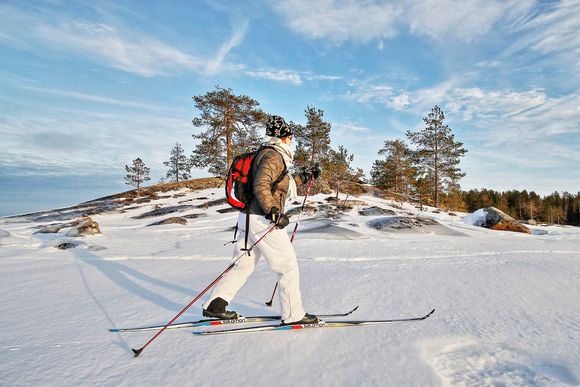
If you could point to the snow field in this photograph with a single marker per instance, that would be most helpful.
(507, 305)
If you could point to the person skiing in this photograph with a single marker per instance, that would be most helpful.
(271, 184)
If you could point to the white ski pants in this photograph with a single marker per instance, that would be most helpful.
(278, 251)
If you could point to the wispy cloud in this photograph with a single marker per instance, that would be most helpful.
(99, 99)
(462, 20)
(290, 76)
(73, 141)
(362, 21)
(553, 33)
(340, 21)
(110, 43)
(240, 29)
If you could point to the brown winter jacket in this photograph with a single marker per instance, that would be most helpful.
(266, 168)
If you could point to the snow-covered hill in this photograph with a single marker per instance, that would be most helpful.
(507, 304)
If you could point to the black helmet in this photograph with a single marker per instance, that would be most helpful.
(277, 127)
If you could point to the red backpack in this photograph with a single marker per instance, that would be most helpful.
(239, 192)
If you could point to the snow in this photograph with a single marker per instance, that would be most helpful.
(476, 218)
(507, 304)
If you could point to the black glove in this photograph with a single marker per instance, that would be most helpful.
(279, 219)
(316, 171)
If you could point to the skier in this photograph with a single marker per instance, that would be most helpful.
(271, 185)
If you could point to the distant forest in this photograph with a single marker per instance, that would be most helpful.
(554, 208)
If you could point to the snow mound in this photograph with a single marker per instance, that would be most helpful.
(477, 218)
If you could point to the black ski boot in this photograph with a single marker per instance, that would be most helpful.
(307, 319)
(217, 309)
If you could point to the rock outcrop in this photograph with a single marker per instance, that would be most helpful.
(495, 219)
(87, 226)
(172, 220)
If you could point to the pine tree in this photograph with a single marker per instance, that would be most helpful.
(395, 172)
(179, 165)
(336, 168)
(313, 139)
(137, 174)
(232, 123)
(438, 154)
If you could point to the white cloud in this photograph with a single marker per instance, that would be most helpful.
(85, 142)
(110, 43)
(526, 124)
(340, 21)
(554, 32)
(294, 77)
(361, 21)
(240, 28)
(277, 75)
(125, 50)
(462, 20)
(98, 98)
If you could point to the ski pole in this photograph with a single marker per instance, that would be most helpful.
(137, 352)
(269, 303)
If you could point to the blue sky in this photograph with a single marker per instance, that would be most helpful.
(86, 87)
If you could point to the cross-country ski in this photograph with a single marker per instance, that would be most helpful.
(321, 324)
(216, 322)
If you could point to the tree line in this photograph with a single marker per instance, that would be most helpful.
(423, 167)
(555, 208)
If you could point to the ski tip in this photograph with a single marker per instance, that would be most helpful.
(355, 308)
(430, 313)
(137, 352)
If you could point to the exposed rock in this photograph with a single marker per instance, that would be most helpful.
(162, 211)
(417, 225)
(308, 210)
(86, 227)
(495, 219)
(226, 210)
(67, 245)
(142, 200)
(194, 216)
(50, 229)
(172, 220)
(345, 203)
(56, 227)
(376, 211)
(213, 203)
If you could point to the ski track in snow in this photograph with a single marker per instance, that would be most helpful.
(507, 305)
